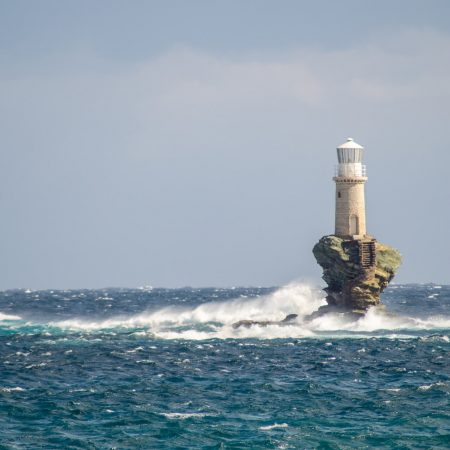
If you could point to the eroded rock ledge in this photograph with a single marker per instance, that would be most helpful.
(356, 271)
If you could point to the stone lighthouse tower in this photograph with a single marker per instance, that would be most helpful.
(350, 178)
(355, 266)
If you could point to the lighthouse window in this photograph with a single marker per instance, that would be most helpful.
(339, 195)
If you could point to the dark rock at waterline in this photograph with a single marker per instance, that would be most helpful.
(350, 314)
(249, 323)
(356, 272)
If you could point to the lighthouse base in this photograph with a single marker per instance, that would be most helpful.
(355, 270)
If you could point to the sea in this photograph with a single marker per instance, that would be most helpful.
(153, 368)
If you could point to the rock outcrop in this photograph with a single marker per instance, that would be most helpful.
(264, 323)
(356, 271)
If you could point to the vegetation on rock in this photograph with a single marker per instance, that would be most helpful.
(351, 284)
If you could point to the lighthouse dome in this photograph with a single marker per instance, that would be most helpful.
(350, 143)
(350, 152)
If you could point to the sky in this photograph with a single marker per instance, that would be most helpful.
(192, 143)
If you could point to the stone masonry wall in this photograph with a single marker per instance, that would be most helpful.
(350, 202)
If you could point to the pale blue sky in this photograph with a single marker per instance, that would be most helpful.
(178, 143)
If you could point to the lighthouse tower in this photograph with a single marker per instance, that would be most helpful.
(356, 267)
(350, 177)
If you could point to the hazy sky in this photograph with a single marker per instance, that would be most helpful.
(192, 143)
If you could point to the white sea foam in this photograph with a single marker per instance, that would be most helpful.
(295, 298)
(183, 416)
(275, 425)
(13, 389)
(9, 317)
(214, 319)
(438, 385)
(376, 319)
(228, 332)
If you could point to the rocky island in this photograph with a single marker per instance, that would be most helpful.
(356, 271)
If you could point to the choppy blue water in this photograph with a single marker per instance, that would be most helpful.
(164, 369)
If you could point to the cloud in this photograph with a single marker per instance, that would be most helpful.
(189, 86)
(405, 65)
(413, 63)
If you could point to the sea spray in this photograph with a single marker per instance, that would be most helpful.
(298, 298)
(214, 319)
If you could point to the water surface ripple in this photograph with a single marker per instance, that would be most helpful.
(165, 369)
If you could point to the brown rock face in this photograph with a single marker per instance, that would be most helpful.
(356, 271)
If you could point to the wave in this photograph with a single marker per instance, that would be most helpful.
(377, 319)
(215, 319)
(183, 416)
(4, 317)
(11, 389)
(295, 298)
(376, 323)
(275, 425)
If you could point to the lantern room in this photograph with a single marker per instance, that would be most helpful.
(350, 155)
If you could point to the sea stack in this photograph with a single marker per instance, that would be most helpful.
(356, 267)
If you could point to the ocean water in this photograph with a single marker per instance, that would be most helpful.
(164, 369)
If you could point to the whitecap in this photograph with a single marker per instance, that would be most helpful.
(437, 385)
(228, 332)
(392, 391)
(182, 416)
(34, 366)
(134, 350)
(9, 317)
(295, 298)
(215, 319)
(13, 389)
(376, 319)
(275, 425)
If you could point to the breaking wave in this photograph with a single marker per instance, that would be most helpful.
(4, 317)
(299, 298)
(215, 319)
(275, 425)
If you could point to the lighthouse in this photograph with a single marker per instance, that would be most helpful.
(356, 267)
(350, 177)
